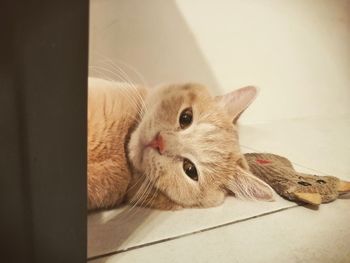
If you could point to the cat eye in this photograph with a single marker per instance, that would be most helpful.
(190, 169)
(186, 117)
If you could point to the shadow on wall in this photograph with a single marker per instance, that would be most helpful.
(153, 38)
(150, 36)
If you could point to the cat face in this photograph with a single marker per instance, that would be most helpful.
(187, 146)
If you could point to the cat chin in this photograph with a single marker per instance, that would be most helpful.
(134, 152)
(138, 151)
(137, 154)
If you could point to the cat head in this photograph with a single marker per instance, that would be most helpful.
(186, 145)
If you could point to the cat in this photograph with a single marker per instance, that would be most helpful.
(169, 147)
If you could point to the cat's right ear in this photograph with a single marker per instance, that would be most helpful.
(247, 186)
(237, 101)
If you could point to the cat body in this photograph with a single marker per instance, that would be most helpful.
(111, 116)
(168, 147)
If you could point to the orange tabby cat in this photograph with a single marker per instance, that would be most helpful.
(168, 147)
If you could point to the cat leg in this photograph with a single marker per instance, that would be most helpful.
(107, 184)
(158, 200)
(141, 195)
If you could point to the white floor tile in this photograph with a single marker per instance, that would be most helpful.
(298, 234)
(116, 230)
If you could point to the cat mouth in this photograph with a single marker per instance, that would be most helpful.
(151, 146)
(157, 143)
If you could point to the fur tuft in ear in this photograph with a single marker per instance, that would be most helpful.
(237, 101)
(246, 186)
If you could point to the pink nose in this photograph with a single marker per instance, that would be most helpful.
(157, 143)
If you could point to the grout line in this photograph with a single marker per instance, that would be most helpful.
(191, 233)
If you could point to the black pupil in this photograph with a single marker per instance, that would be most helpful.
(190, 169)
(186, 118)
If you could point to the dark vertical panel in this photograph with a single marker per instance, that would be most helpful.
(15, 210)
(43, 103)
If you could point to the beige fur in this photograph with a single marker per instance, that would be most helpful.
(111, 114)
(122, 168)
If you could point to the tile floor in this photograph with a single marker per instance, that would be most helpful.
(243, 231)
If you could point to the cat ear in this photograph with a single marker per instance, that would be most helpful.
(237, 101)
(245, 185)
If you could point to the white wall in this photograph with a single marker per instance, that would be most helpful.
(296, 51)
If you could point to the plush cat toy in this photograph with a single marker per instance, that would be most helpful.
(279, 173)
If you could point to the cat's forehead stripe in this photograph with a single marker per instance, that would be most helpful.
(206, 127)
